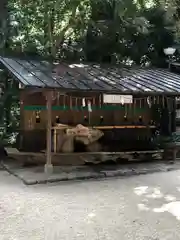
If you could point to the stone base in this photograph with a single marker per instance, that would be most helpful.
(48, 168)
(36, 175)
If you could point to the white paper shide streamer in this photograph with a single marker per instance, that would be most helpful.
(83, 102)
(89, 106)
(122, 100)
(149, 101)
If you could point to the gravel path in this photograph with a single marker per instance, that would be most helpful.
(145, 207)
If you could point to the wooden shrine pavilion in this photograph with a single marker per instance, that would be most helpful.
(127, 105)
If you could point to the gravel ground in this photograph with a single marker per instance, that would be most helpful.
(145, 207)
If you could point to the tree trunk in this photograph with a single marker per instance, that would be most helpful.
(3, 25)
(61, 36)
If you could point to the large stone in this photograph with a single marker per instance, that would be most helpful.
(94, 147)
(68, 145)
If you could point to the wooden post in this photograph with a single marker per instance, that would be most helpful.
(173, 115)
(22, 127)
(55, 140)
(175, 150)
(48, 166)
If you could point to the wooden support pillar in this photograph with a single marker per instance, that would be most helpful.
(175, 150)
(48, 166)
(173, 115)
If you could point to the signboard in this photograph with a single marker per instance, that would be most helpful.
(108, 98)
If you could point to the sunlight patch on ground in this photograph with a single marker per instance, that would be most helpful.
(173, 208)
(90, 218)
(150, 193)
(143, 207)
(155, 194)
(169, 198)
(91, 215)
(141, 190)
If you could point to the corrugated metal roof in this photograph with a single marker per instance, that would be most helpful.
(87, 77)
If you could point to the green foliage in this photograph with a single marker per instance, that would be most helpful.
(82, 29)
(126, 31)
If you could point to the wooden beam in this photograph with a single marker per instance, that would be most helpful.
(63, 127)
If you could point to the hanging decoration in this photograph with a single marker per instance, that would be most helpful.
(53, 95)
(30, 123)
(89, 106)
(149, 102)
(37, 114)
(140, 103)
(125, 116)
(85, 119)
(100, 102)
(122, 100)
(83, 102)
(140, 119)
(70, 102)
(64, 102)
(151, 122)
(134, 109)
(101, 119)
(58, 98)
(57, 119)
